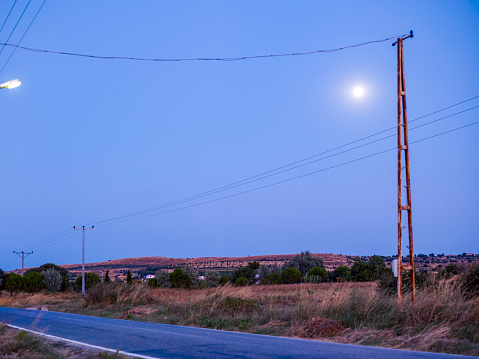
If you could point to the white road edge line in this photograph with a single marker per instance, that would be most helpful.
(80, 343)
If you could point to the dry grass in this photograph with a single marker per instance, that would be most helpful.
(441, 319)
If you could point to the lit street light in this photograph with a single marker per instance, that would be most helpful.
(10, 84)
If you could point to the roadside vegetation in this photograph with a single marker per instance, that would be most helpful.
(355, 304)
(20, 344)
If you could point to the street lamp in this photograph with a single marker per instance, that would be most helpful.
(10, 84)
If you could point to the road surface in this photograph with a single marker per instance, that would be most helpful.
(170, 341)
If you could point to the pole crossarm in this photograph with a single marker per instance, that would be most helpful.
(22, 255)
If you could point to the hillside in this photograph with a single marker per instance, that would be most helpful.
(119, 267)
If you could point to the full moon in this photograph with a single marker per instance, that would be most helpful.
(358, 91)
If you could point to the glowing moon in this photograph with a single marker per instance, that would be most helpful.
(358, 91)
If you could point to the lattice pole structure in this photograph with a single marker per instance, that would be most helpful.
(403, 151)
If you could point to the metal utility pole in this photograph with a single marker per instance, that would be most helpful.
(403, 147)
(83, 258)
(23, 255)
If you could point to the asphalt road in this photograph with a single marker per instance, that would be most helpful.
(170, 341)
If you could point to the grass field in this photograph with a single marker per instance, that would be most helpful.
(441, 320)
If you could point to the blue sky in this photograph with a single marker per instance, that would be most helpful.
(84, 140)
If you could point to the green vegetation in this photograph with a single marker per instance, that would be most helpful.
(443, 317)
(91, 279)
(304, 262)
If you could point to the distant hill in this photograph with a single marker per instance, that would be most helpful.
(120, 267)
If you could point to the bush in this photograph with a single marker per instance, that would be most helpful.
(34, 282)
(53, 280)
(106, 278)
(242, 272)
(290, 275)
(342, 274)
(64, 285)
(265, 271)
(163, 278)
(387, 284)
(153, 283)
(253, 265)
(129, 279)
(470, 282)
(91, 279)
(46, 266)
(13, 282)
(212, 278)
(241, 282)
(224, 280)
(193, 276)
(360, 271)
(304, 262)
(321, 273)
(179, 279)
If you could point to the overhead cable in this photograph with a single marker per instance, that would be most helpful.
(293, 165)
(289, 179)
(11, 33)
(200, 58)
(18, 43)
(3, 25)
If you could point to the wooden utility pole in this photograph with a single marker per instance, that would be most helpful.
(403, 147)
(83, 258)
(23, 255)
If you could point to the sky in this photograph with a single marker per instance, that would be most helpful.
(88, 141)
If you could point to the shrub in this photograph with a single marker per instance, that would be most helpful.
(153, 283)
(342, 274)
(13, 282)
(34, 282)
(193, 276)
(224, 280)
(376, 266)
(387, 284)
(253, 265)
(53, 280)
(241, 282)
(470, 282)
(91, 279)
(304, 262)
(179, 279)
(265, 271)
(102, 294)
(320, 273)
(163, 278)
(212, 278)
(360, 271)
(242, 272)
(129, 279)
(106, 278)
(290, 275)
(64, 285)
(44, 267)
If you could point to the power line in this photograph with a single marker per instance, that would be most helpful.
(289, 179)
(285, 168)
(199, 58)
(59, 239)
(8, 16)
(23, 12)
(65, 235)
(18, 43)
